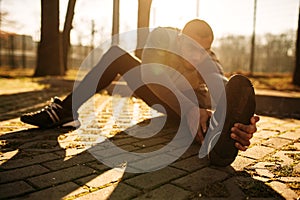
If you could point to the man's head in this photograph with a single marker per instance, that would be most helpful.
(200, 31)
(201, 34)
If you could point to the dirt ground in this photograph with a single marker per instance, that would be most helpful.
(280, 82)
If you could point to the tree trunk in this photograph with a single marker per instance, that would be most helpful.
(49, 61)
(296, 77)
(143, 25)
(66, 32)
(116, 22)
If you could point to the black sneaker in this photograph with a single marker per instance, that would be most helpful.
(53, 115)
(240, 96)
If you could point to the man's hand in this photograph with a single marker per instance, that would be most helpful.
(198, 126)
(243, 133)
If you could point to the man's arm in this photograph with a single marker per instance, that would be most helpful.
(243, 133)
(155, 69)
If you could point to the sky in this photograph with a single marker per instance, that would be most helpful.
(225, 16)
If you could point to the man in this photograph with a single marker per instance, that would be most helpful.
(174, 68)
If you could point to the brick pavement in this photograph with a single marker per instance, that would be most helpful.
(55, 164)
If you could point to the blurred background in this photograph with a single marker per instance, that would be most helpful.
(257, 36)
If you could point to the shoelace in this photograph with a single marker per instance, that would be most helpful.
(51, 111)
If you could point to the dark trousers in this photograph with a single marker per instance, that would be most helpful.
(116, 61)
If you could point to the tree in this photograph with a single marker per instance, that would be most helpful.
(274, 53)
(296, 77)
(54, 47)
(234, 45)
(116, 22)
(144, 7)
(66, 32)
(49, 60)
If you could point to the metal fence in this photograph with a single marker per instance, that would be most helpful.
(20, 51)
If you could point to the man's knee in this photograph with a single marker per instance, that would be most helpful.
(116, 48)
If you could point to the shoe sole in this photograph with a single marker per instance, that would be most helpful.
(73, 124)
(66, 123)
(240, 108)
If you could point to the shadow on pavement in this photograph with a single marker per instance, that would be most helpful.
(13, 105)
(48, 164)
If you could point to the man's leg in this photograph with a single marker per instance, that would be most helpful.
(114, 61)
(238, 108)
(61, 113)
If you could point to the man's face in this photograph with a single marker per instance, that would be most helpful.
(193, 48)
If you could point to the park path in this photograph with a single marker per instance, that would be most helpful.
(54, 164)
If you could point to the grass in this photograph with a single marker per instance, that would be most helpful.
(272, 81)
(279, 83)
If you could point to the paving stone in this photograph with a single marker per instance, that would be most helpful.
(149, 149)
(241, 162)
(29, 161)
(284, 158)
(128, 175)
(131, 148)
(21, 173)
(282, 129)
(95, 181)
(130, 140)
(97, 166)
(201, 178)
(283, 189)
(191, 151)
(14, 189)
(191, 164)
(268, 122)
(262, 179)
(83, 181)
(41, 146)
(297, 145)
(297, 168)
(289, 179)
(128, 159)
(234, 191)
(151, 142)
(57, 192)
(166, 192)
(264, 134)
(124, 191)
(228, 169)
(261, 169)
(291, 124)
(69, 152)
(154, 179)
(257, 152)
(276, 143)
(69, 161)
(291, 135)
(256, 189)
(54, 178)
(8, 155)
(79, 191)
(256, 141)
(101, 194)
(151, 162)
(103, 151)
